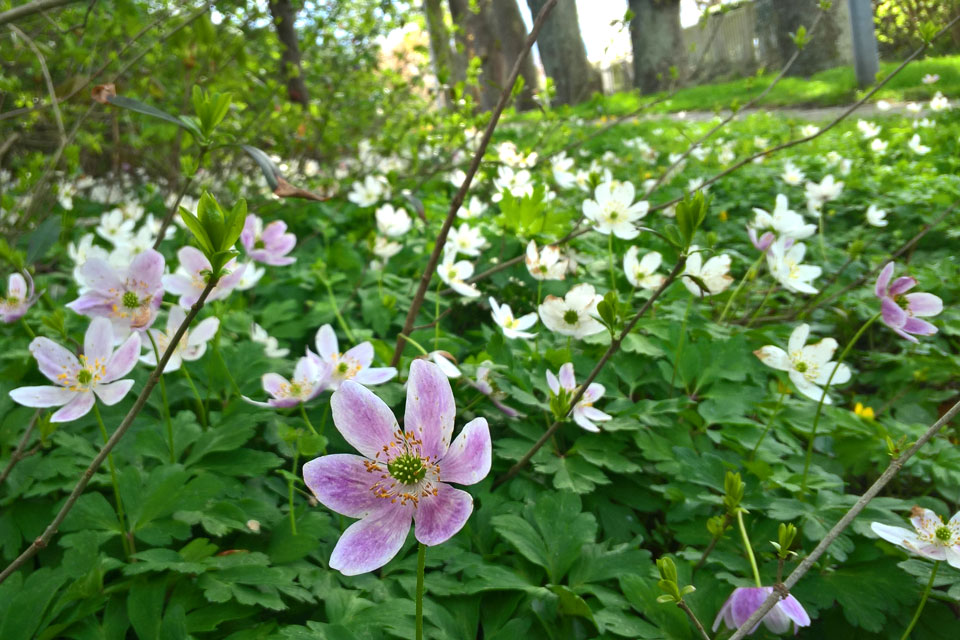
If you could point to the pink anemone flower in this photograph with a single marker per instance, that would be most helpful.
(584, 413)
(20, 297)
(191, 277)
(401, 476)
(268, 244)
(901, 311)
(95, 373)
(745, 600)
(310, 377)
(129, 299)
(354, 364)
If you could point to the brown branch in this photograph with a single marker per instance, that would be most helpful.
(462, 191)
(693, 618)
(141, 400)
(31, 8)
(46, 77)
(895, 465)
(611, 350)
(18, 454)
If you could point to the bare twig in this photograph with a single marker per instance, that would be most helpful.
(462, 191)
(895, 465)
(141, 400)
(611, 350)
(18, 453)
(693, 618)
(31, 8)
(46, 76)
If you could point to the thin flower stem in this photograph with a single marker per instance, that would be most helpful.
(20, 452)
(750, 274)
(26, 327)
(773, 416)
(693, 618)
(748, 548)
(196, 394)
(336, 311)
(807, 563)
(121, 516)
(415, 344)
(293, 471)
(713, 543)
(763, 301)
(166, 404)
(923, 601)
(826, 388)
(421, 564)
(303, 412)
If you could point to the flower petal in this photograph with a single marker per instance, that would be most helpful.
(430, 408)
(893, 316)
(553, 382)
(375, 375)
(439, 517)
(795, 611)
(45, 396)
(902, 285)
(924, 304)
(76, 408)
(123, 359)
(469, 457)
(203, 332)
(97, 274)
(567, 379)
(362, 353)
(52, 359)
(113, 392)
(372, 542)
(895, 535)
(774, 357)
(883, 280)
(798, 338)
(363, 419)
(147, 268)
(342, 483)
(326, 341)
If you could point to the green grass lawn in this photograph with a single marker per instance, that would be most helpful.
(827, 88)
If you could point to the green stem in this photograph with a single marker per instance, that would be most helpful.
(826, 388)
(613, 273)
(415, 344)
(750, 274)
(336, 311)
(766, 296)
(421, 563)
(196, 394)
(773, 416)
(116, 486)
(323, 425)
(748, 548)
(923, 601)
(27, 328)
(683, 335)
(163, 397)
(823, 244)
(293, 471)
(303, 412)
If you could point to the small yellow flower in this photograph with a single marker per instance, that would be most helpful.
(723, 216)
(647, 175)
(864, 412)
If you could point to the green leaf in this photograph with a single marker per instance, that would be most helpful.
(42, 238)
(146, 109)
(571, 604)
(196, 228)
(24, 610)
(145, 607)
(269, 169)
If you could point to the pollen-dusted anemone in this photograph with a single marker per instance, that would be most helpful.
(902, 311)
(401, 475)
(130, 299)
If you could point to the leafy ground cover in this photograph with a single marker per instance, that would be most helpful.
(708, 428)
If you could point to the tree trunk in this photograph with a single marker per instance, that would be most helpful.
(284, 16)
(657, 43)
(445, 64)
(510, 35)
(563, 53)
(777, 20)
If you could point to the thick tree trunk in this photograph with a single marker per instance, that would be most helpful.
(776, 20)
(563, 53)
(657, 42)
(284, 15)
(510, 37)
(444, 57)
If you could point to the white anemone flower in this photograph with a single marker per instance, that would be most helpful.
(192, 345)
(114, 228)
(584, 413)
(879, 146)
(783, 221)
(518, 183)
(271, 348)
(792, 174)
(867, 129)
(512, 327)
(572, 315)
(369, 191)
(917, 147)
(392, 222)
(472, 210)
(545, 264)
(560, 166)
(446, 363)
(614, 211)
(807, 365)
(818, 194)
(844, 165)
(385, 249)
(714, 273)
(931, 537)
(642, 273)
(455, 274)
(785, 260)
(466, 240)
(876, 217)
(939, 102)
(808, 130)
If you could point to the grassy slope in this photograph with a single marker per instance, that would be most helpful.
(831, 87)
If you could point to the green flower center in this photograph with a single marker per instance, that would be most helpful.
(130, 300)
(902, 301)
(295, 389)
(342, 367)
(801, 367)
(407, 469)
(84, 377)
(943, 533)
(259, 244)
(571, 317)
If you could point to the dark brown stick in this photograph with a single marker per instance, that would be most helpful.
(611, 350)
(462, 191)
(18, 453)
(31, 8)
(141, 400)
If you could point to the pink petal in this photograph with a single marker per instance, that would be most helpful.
(147, 268)
(98, 341)
(362, 418)
(343, 483)
(53, 359)
(327, 345)
(883, 280)
(567, 379)
(924, 304)
(746, 600)
(362, 353)
(124, 358)
(919, 327)
(439, 517)
(795, 611)
(113, 392)
(98, 275)
(248, 235)
(76, 408)
(273, 382)
(193, 260)
(177, 284)
(375, 375)
(468, 459)
(430, 408)
(16, 286)
(893, 316)
(372, 542)
(45, 396)
(553, 383)
(203, 332)
(902, 285)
